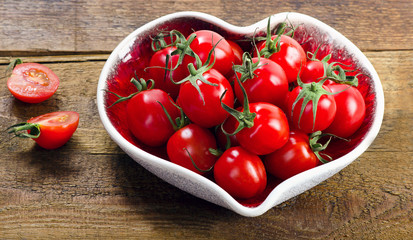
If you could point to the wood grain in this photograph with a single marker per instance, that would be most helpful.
(90, 189)
(98, 26)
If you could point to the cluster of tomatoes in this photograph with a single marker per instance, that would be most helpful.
(35, 83)
(239, 115)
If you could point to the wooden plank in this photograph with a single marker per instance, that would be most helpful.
(90, 189)
(98, 26)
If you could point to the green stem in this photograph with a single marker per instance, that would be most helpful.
(25, 130)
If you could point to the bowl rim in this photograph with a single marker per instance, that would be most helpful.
(274, 197)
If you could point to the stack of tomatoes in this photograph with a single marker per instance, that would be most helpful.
(239, 115)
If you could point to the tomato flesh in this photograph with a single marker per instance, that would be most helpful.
(56, 128)
(32, 82)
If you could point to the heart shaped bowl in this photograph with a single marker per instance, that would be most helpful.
(132, 56)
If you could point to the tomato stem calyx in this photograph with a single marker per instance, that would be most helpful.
(244, 118)
(333, 71)
(317, 147)
(141, 85)
(197, 73)
(273, 45)
(25, 130)
(247, 68)
(183, 48)
(309, 92)
(178, 122)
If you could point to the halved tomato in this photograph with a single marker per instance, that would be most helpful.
(32, 82)
(50, 130)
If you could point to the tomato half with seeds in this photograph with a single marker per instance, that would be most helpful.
(240, 173)
(51, 130)
(32, 82)
(294, 157)
(190, 147)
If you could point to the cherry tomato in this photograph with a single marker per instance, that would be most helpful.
(147, 119)
(51, 130)
(313, 71)
(293, 158)
(222, 138)
(351, 110)
(202, 45)
(161, 77)
(205, 109)
(269, 132)
(324, 112)
(240, 173)
(32, 82)
(290, 57)
(269, 84)
(189, 147)
(237, 50)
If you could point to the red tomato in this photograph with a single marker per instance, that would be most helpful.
(146, 118)
(205, 109)
(269, 132)
(204, 42)
(290, 57)
(293, 158)
(32, 82)
(269, 84)
(240, 173)
(237, 50)
(222, 139)
(163, 79)
(351, 110)
(51, 130)
(325, 110)
(313, 71)
(189, 148)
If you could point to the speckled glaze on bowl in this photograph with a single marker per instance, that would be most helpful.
(128, 54)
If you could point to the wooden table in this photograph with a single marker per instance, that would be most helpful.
(90, 188)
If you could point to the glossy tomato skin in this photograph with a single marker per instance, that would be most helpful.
(209, 113)
(313, 71)
(203, 44)
(157, 72)
(269, 133)
(32, 82)
(293, 158)
(326, 111)
(222, 139)
(237, 50)
(192, 141)
(240, 173)
(146, 118)
(351, 110)
(56, 128)
(290, 57)
(270, 84)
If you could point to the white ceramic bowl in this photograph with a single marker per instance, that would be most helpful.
(311, 29)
